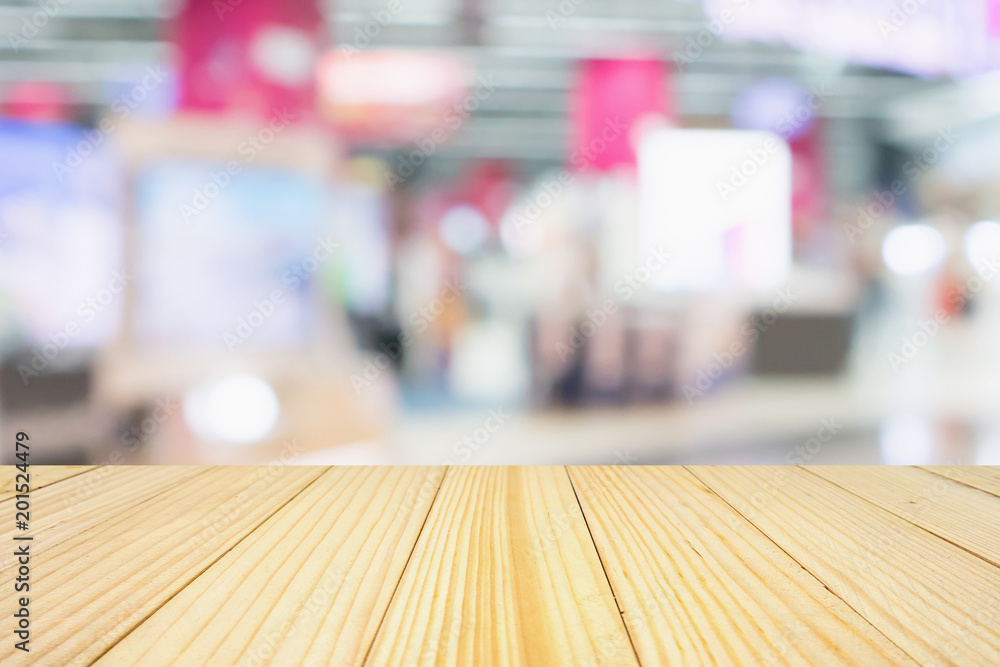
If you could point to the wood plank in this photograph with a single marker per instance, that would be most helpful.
(984, 478)
(313, 581)
(39, 477)
(505, 572)
(90, 590)
(960, 514)
(700, 585)
(936, 601)
(60, 511)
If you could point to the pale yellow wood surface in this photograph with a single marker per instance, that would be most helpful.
(504, 573)
(592, 566)
(313, 580)
(936, 601)
(60, 511)
(960, 514)
(691, 575)
(985, 478)
(90, 590)
(39, 477)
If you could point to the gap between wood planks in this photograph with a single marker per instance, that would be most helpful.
(207, 566)
(48, 475)
(909, 499)
(822, 478)
(423, 524)
(813, 574)
(614, 594)
(971, 476)
(891, 583)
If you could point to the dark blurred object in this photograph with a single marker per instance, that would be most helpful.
(891, 164)
(803, 345)
(631, 357)
(378, 336)
(472, 16)
(55, 407)
(652, 356)
(51, 389)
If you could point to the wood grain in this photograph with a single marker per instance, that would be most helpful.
(934, 600)
(984, 478)
(592, 567)
(504, 573)
(39, 477)
(67, 508)
(312, 581)
(92, 589)
(960, 514)
(692, 575)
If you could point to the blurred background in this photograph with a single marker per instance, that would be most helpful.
(500, 231)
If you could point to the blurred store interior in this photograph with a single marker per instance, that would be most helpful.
(500, 231)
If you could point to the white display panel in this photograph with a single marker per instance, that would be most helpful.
(719, 201)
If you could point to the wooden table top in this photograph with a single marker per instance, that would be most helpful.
(588, 566)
